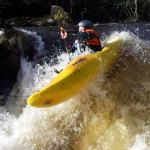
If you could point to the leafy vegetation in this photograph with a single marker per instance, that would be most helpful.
(101, 11)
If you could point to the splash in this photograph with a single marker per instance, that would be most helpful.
(133, 45)
(111, 114)
(1, 32)
(140, 142)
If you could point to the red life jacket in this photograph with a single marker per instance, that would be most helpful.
(94, 38)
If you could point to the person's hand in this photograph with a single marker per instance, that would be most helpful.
(63, 33)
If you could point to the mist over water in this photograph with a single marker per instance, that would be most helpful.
(111, 114)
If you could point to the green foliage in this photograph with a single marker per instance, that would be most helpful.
(116, 10)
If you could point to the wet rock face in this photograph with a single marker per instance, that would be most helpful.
(9, 55)
(9, 61)
(9, 64)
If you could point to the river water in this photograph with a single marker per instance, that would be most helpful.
(113, 113)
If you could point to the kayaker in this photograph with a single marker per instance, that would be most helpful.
(86, 37)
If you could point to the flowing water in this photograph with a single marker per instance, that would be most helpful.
(113, 113)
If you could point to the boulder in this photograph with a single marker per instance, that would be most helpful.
(9, 63)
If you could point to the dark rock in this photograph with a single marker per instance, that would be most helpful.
(9, 61)
(9, 64)
(30, 21)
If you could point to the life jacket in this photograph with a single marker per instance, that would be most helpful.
(94, 38)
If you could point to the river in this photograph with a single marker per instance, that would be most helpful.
(113, 113)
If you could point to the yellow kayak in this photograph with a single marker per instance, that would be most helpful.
(76, 76)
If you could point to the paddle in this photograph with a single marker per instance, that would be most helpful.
(59, 16)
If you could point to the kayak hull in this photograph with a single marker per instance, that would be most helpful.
(76, 76)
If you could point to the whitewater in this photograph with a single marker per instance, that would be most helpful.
(113, 113)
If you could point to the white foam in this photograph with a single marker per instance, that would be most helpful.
(140, 142)
(91, 119)
(1, 32)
